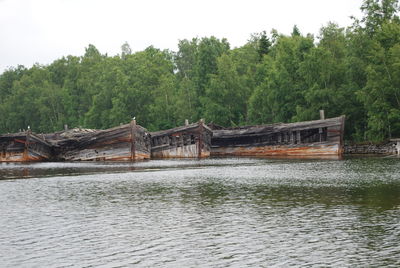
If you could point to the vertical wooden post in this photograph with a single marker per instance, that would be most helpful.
(200, 131)
(398, 147)
(26, 149)
(321, 132)
(133, 140)
(322, 114)
(181, 140)
(298, 137)
(343, 121)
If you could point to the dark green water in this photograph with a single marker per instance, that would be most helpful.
(202, 213)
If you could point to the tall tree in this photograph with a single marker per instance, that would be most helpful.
(282, 88)
(125, 50)
(380, 92)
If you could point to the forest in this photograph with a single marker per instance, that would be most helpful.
(352, 71)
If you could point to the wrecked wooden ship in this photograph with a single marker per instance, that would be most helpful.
(312, 138)
(128, 142)
(24, 147)
(132, 142)
(189, 141)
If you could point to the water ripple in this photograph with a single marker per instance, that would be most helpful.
(208, 213)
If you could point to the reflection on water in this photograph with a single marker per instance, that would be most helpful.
(48, 169)
(195, 213)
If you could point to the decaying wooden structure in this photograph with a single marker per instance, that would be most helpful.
(189, 141)
(132, 142)
(311, 138)
(123, 143)
(24, 147)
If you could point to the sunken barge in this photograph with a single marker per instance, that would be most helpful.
(132, 142)
(312, 138)
(128, 142)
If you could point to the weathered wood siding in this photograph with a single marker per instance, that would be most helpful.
(124, 143)
(191, 141)
(278, 150)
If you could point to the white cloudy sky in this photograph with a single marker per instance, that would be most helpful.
(40, 31)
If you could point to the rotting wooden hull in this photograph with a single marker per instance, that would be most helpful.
(124, 143)
(312, 138)
(132, 142)
(280, 150)
(22, 157)
(190, 141)
(104, 153)
(24, 147)
(186, 151)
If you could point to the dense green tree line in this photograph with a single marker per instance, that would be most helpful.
(272, 78)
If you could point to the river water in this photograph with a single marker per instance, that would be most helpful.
(233, 212)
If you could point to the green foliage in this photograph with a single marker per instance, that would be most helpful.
(377, 12)
(324, 72)
(295, 31)
(353, 71)
(261, 43)
(282, 88)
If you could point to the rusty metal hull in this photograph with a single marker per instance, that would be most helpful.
(280, 150)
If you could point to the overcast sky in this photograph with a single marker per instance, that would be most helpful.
(41, 31)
